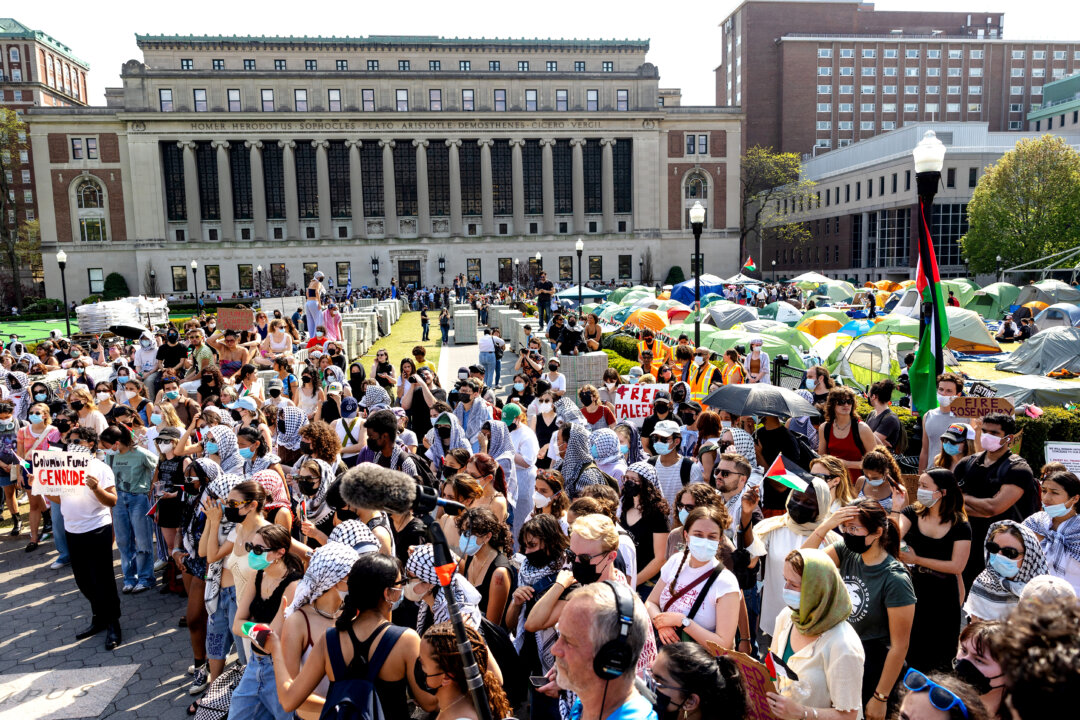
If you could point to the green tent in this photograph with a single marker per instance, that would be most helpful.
(793, 337)
(839, 315)
(963, 288)
(710, 298)
(896, 325)
(619, 294)
(837, 290)
(994, 300)
(723, 340)
(783, 312)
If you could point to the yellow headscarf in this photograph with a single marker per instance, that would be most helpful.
(823, 601)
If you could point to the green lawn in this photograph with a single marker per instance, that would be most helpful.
(403, 337)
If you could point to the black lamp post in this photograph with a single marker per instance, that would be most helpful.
(61, 260)
(580, 247)
(697, 221)
(153, 280)
(442, 270)
(929, 156)
(195, 277)
(774, 272)
(641, 270)
(375, 269)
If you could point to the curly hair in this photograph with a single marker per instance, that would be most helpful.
(704, 495)
(560, 501)
(654, 508)
(837, 393)
(323, 439)
(587, 506)
(881, 460)
(443, 644)
(481, 521)
(547, 530)
(215, 372)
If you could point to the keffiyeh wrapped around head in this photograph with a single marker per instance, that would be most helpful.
(293, 418)
(457, 438)
(744, 445)
(576, 456)
(276, 494)
(567, 412)
(634, 452)
(422, 565)
(646, 472)
(329, 565)
(316, 506)
(606, 443)
(992, 596)
(357, 535)
(375, 398)
(210, 470)
(231, 461)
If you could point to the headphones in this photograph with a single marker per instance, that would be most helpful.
(614, 657)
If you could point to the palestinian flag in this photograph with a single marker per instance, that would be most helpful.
(929, 358)
(749, 265)
(778, 668)
(788, 473)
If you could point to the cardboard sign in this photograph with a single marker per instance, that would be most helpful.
(973, 407)
(634, 403)
(982, 390)
(235, 318)
(59, 473)
(1064, 452)
(757, 680)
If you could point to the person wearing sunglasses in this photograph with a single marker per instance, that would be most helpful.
(939, 697)
(691, 684)
(1013, 557)
(844, 434)
(832, 470)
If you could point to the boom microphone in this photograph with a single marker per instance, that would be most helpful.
(374, 487)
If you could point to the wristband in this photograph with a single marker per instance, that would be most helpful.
(880, 698)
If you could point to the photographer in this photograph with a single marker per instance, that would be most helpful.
(418, 398)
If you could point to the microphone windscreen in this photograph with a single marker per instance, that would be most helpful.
(374, 487)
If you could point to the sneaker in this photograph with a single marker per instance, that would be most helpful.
(16, 529)
(57, 564)
(127, 589)
(160, 564)
(201, 680)
(140, 588)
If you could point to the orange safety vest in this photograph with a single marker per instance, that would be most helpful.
(659, 350)
(700, 379)
(732, 374)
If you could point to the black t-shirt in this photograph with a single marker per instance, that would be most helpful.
(642, 532)
(171, 355)
(330, 411)
(170, 472)
(570, 338)
(649, 423)
(888, 425)
(544, 289)
(384, 368)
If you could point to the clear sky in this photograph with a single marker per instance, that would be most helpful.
(685, 37)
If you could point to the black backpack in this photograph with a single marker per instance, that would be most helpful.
(424, 475)
(684, 467)
(353, 697)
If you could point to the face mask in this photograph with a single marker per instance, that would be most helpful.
(207, 379)
(172, 394)
(950, 448)
(319, 333)
(307, 487)
(1003, 566)
(211, 448)
(553, 451)
(545, 407)
(394, 605)
(102, 396)
(281, 426)
(75, 353)
(110, 451)
(624, 449)
(703, 549)
(172, 337)
(233, 515)
(662, 448)
(258, 562)
(305, 447)
(585, 398)
(346, 514)
(40, 397)
(662, 705)
(444, 431)
(62, 425)
(165, 447)
(966, 671)
(155, 418)
(678, 394)
(422, 677)
(35, 418)
(275, 393)
(792, 598)
(1054, 511)
(190, 487)
(519, 387)
(801, 514)
(698, 360)
(468, 545)
(632, 379)
(553, 367)
(247, 453)
(412, 593)
(875, 483)
(77, 405)
(145, 343)
(610, 386)
(683, 514)
(540, 501)
(811, 383)
(944, 400)
(855, 543)
(992, 443)
(585, 572)
(926, 497)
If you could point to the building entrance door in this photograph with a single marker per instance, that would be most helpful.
(408, 273)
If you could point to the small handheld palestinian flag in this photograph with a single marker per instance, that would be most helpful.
(787, 472)
(778, 668)
(749, 265)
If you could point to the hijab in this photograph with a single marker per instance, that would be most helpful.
(576, 458)
(606, 443)
(480, 414)
(501, 448)
(293, 418)
(824, 600)
(646, 472)
(768, 525)
(634, 453)
(993, 596)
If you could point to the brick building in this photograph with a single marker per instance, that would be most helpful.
(822, 74)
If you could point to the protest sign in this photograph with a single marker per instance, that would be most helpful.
(59, 473)
(235, 318)
(982, 390)
(973, 407)
(1064, 452)
(634, 403)
(757, 680)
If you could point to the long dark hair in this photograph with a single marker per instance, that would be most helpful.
(252, 435)
(444, 644)
(277, 538)
(654, 508)
(548, 531)
(951, 504)
(873, 517)
(560, 501)
(370, 576)
(715, 680)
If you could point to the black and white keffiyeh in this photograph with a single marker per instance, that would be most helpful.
(329, 565)
(228, 452)
(567, 412)
(219, 488)
(574, 461)
(375, 398)
(422, 565)
(645, 471)
(260, 462)
(357, 535)
(457, 439)
(992, 596)
(480, 414)
(316, 507)
(545, 639)
(1060, 546)
(606, 443)
(501, 449)
(293, 418)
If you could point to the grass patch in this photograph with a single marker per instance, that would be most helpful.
(403, 337)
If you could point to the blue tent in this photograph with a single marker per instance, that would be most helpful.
(1059, 315)
(855, 328)
(684, 291)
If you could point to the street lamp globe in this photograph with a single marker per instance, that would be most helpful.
(579, 245)
(61, 257)
(538, 256)
(998, 258)
(258, 268)
(697, 214)
(929, 154)
(194, 264)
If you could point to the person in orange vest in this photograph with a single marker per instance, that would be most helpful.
(683, 354)
(659, 350)
(703, 375)
(732, 371)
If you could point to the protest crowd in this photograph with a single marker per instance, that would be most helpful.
(632, 547)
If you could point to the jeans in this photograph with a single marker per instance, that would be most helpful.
(219, 634)
(445, 333)
(753, 611)
(134, 538)
(256, 698)
(487, 359)
(427, 329)
(59, 537)
(498, 371)
(544, 310)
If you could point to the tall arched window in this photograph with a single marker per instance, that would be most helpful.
(695, 189)
(90, 204)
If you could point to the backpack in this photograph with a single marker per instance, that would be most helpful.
(424, 475)
(684, 467)
(807, 454)
(353, 697)
(610, 481)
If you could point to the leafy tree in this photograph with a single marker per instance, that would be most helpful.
(1025, 206)
(675, 275)
(20, 244)
(116, 287)
(767, 180)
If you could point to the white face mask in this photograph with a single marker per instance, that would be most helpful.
(102, 396)
(725, 423)
(540, 501)
(545, 407)
(165, 447)
(698, 360)
(411, 591)
(944, 400)
(553, 450)
(610, 386)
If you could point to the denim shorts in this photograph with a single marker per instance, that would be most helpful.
(219, 635)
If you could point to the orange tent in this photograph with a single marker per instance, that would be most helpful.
(677, 314)
(886, 286)
(819, 325)
(1036, 306)
(666, 295)
(648, 319)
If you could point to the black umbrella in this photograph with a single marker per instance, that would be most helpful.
(129, 332)
(758, 399)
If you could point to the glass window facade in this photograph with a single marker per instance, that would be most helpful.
(405, 178)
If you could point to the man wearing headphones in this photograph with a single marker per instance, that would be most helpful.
(602, 632)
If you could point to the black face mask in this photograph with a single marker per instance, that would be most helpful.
(585, 398)
(305, 447)
(172, 337)
(208, 379)
(281, 426)
(663, 702)
(538, 558)
(308, 487)
(233, 515)
(630, 489)
(966, 671)
(678, 394)
(421, 678)
(444, 431)
(553, 367)
(358, 376)
(585, 572)
(346, 514)
(662, 408)
(854, 543)
(801, 514)
(449, 472)
(688, 419)
(63, 426)
(275, 393)
(77, 405)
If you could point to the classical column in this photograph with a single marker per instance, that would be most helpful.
(191, 191)
(258, 188)
(455, 188)
(577, 145)
(607, 183)
(356, 189)
(292, 202)
(322, 171)
(423, 203)
(518, 174)
(390, 221)
(548, 175)
(225, 196)
(487, 202)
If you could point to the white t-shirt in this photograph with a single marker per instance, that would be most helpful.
(408, 437)
(558, 384)
(628, 553)
(724, 584)
(528, 447)
(82, 511)
(145, 359)
(778, 544)
(935, 422)
(95, 420)
(485, 344)
(669, 478)
(357, 434)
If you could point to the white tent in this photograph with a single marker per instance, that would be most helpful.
(908, 305)
(809, 277)
(740, 279)
(725, 316)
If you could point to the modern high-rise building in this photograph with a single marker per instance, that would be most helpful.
(821, 74)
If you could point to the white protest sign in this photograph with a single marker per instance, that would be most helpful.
(634, 403)
(1064, 452)
(59, 473)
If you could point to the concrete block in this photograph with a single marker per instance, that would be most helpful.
(383, 313)
(364, 302)
(585, 369)
(465, 328)
(493, 316)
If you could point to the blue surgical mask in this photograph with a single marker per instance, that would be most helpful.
(145, 343)
(811, 383)
(1054, 511)
(683, 514)
(632, 379)
(1003, 566)
(792, 598)
(247, 453)
(624, 449)
(520, 387)
(155, 418)
(662, 448)
(210, 447)
(35, 418)
(172, 394)
(122, 379)
(875, 483)
(594, 452)
(703, 549)
(40, 397)
(950, 448)
(468, 545)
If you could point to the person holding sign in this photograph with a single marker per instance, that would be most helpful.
(38, 435)
(88, 527)
(691, 684)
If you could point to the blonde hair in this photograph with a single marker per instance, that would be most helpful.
(85, 396)
(597, 527)
(647, 379)
(169, 413)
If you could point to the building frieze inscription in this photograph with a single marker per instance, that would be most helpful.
(244, 126)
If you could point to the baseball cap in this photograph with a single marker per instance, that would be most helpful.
(693, 405)
(958, 432)
(333, 388)
(246, 402)
(1047, 588)
(168, 433)
(510, 413)
(636, 371)
(275, 384)
(554, 360)
(477, 369)
(666, 428)
(349, 407)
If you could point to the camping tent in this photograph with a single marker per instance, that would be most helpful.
(684, 291)
(571, 293)
(968, 333)
(876, 357)
(724, 340)
(908, 305)
(741, 279)
(724, 316)
(960, 288)
(837, 290)
(648, 319)
(795, 338)
(1049, 292)
(1058, 315)
(619, 294)
(994, 300)
(808, 280)
(1052, 349)
(829, 348)
(898, 324)
(855, 328)
(756, 326)
(781, 311)
(1038, 390)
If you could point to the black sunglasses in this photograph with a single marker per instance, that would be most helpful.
(995, 549)
(583, 558)
(257, 549)
(684, 506)
(728, 473)
(941, 697)
(845, 401)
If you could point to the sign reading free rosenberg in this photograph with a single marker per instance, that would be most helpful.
(59, 473)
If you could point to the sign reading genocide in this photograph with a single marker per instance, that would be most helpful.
(973, 407)
(1064, 452)
(235, 318)
(634, 403)
(757, 680)
(59, 473)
